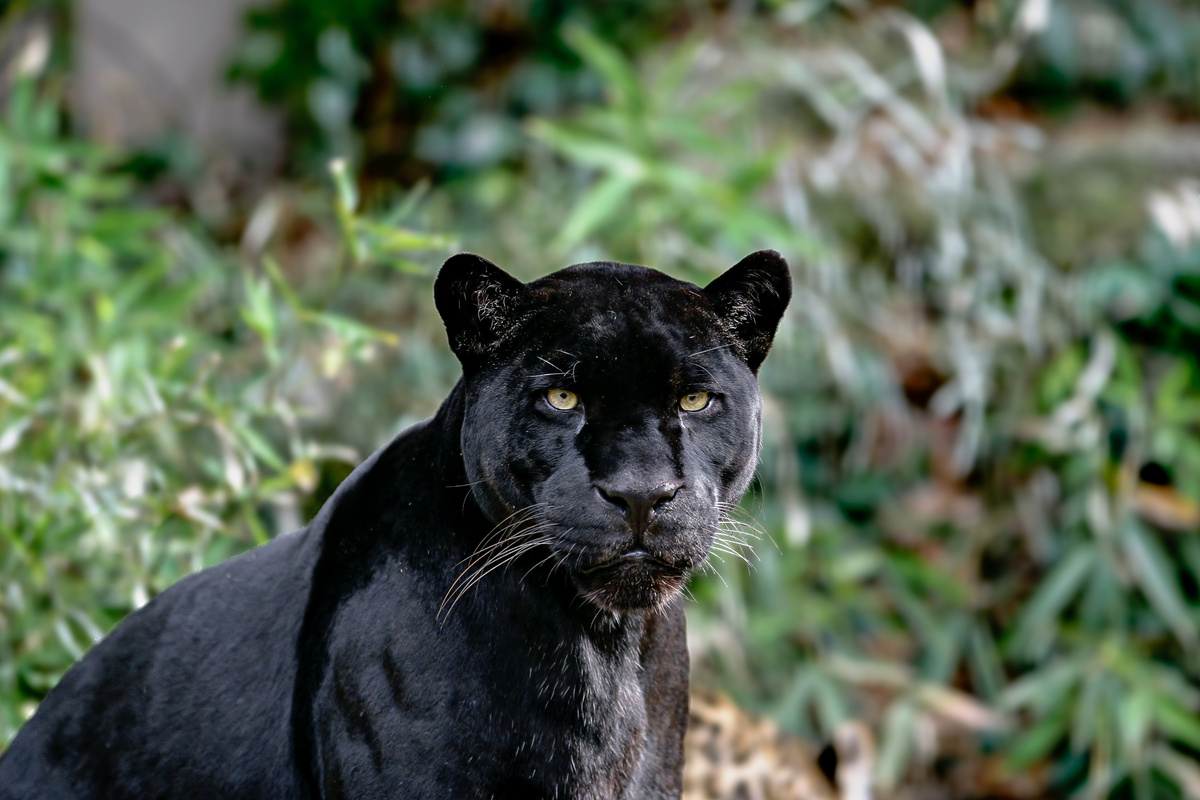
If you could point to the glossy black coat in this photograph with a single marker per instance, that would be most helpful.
(352, 659)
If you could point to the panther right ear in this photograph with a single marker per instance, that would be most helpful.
(479, 304)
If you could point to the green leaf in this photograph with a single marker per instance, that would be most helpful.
(897, 745)
(406, 205)
(282, 286)
(670, 78)
(259, 310)
(588, 149)
(1040, 616)
(1134, 716)
(1172, 389)
(1177, 722)
(345, 204)
(1058, 379)
(1036, 743)
(343, 184)
(385, 240)
(254, 523)
(352, 331)
(1106, 600)
(598, 205)
(1045, 687)
(984, 662)
(1083, 726)
(407, 266)
(1126, 387)
(1154, 573)
(612, 66)
(258, 445)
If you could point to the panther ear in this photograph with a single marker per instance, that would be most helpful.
(478, 302)
(750, 298)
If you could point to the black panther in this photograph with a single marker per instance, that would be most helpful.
(489, 606)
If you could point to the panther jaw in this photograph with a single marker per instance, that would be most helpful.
(632, 581)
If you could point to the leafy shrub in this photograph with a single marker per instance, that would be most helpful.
(431, 88)
(152, 395)
(1115, 53)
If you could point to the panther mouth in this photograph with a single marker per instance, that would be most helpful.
(634, 556)
(632, 580)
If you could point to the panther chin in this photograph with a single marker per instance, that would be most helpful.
(633, 581)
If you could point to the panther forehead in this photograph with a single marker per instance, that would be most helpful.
(610, 307)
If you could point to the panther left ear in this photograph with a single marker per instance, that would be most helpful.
(479, 304)
(750, 298)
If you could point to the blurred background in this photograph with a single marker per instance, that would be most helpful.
(980, 489)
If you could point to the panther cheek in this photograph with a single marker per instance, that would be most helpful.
(485, 496)
(700, 544)
(559, 488)
(499, 485)
(735, 479)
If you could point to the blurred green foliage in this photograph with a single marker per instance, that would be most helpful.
(980, 489)
(411, 90)
(1114, 52)
(152, 393)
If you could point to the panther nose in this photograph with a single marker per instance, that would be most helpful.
(637, 503)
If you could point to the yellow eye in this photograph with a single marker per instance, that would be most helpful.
(694, 401)
(562, 399)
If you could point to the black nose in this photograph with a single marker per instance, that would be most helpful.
(638, 503)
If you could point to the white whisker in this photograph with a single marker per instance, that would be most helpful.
(520, 532)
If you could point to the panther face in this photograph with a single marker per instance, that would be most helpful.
(612, 413)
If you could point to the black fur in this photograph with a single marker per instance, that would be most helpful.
(489, 607)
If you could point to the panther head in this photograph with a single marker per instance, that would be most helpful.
(611, 413)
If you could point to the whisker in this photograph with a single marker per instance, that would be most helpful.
(507, 540)
(561, 541)
(506, 525)
(503, 559)
(538, 564)
(708, 567)
(509, 532)
(741, 533)
(733, 553)
(729, 527)
(709, 350)
(733, 548)
(743, 525)
(734, 544)
(497, 549)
